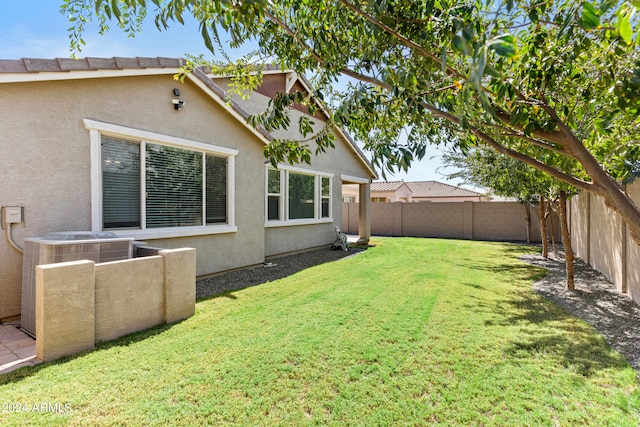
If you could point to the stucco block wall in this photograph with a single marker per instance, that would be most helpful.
(388, 219)
(65, 309)
(606, 241)
(179, 284)
(129, 296)
(633, 252)
(500, 221)
(494, 221)
(432, 220)
(579, 222)
(80, 303)
(601, 239)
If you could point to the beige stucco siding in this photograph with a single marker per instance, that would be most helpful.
(45, 166)
(337, 161)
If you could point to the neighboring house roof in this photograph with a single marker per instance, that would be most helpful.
(386, 185)
(421, 189)
(434, 189)
(36, 69)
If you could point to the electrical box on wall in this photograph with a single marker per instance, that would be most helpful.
(12, 215)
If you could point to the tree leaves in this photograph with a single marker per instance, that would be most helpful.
(589, 19)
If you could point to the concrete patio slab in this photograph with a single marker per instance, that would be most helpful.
(17, 349)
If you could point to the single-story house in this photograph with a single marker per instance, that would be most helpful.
(434, 191)
(118, 145)
(381, 192)
(412, 191)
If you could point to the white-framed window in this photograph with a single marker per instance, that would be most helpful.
(325, 197)
(149, 185)
(274, 195)
(296, 196)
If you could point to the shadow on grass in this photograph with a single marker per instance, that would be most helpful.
(546, 328)
(223, 284)
(584, 355)
(124, 341)
(550, 331)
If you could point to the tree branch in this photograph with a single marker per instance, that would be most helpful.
(562, 176)
(347, 71)
(555, 137)
(404, 40)
(534, 141)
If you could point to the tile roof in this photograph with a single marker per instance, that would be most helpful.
(422, 189)
(38, 65)
(386, 185)
(439, 189)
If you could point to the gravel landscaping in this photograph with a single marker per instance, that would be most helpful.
(595, 300)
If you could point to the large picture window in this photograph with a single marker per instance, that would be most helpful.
(148, 185)
(296, 196)
(182, 187)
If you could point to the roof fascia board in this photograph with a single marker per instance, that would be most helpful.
(355, 179)
(84, 74)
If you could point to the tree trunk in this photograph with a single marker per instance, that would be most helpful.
(527, 218)
(543, 228)
(553, 230)
(566, 240)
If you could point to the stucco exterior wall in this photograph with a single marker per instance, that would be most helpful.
(45, 166)
(291, 238)
(337, 161)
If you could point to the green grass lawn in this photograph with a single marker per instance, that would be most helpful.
(410, 332)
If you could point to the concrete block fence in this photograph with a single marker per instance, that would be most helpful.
(493, 221)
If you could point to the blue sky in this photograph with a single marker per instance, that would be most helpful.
(36, 29)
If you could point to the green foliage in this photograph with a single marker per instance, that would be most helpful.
(504, 176)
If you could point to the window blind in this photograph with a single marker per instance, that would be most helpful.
(216, 193)
(120, 183)
(173, 187)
